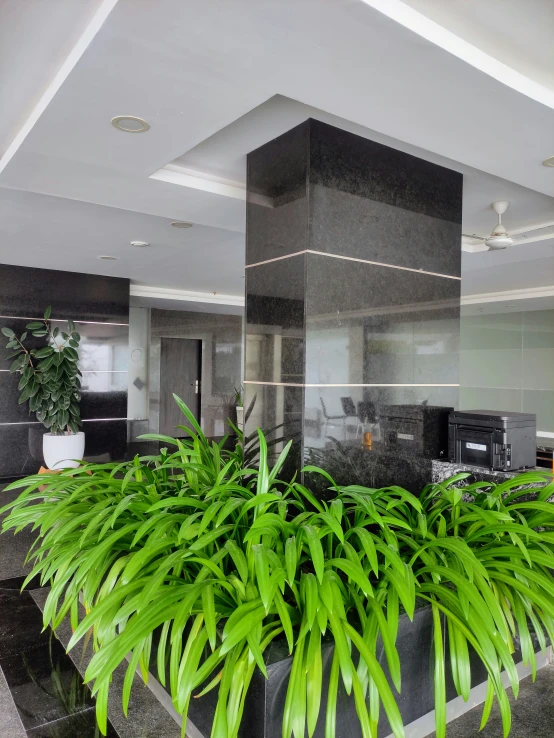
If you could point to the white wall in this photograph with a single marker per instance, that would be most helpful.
(139, 339)
(507, 363)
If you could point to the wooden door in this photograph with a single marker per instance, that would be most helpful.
(180, 373)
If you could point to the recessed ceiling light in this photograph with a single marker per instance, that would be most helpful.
(130, 124)
(548, 162)
(108, 258)
(181, 224)
(140, 244)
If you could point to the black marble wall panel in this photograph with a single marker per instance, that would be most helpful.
(352, 164)
(373, 324)
(366, 317)
(277, 206)
(275, 350)
(279, 411)
(21, 445)
(99, 306)
(26, 291)
(110, 405)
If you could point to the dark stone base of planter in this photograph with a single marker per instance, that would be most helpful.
(266, 698)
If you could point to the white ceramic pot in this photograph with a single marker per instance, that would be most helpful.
(62, 452)
(240, 417)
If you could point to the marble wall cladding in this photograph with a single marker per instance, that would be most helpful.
(381, 232)
(27, 291)
(111, 405)
(277, 196)
(99, 306)
(377, 325)
(343, 286)
(337, 320)
(407, 427)
(20, 449)
(103, 353)
(21, 445)
(278, 410)
(275, 337)
(222, 342)
(344, 161)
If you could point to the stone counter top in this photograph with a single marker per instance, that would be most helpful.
(443, 470)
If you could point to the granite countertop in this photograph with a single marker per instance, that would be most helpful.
(443, 470)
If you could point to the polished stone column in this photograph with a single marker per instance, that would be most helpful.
(352, 303)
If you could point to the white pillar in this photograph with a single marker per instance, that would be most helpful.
(139, 339)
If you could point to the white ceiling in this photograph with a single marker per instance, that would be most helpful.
(56, 233)
(35, 39)
(519, 33)
(75, 187)
(222, 156)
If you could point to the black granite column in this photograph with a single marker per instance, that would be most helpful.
(352, 310)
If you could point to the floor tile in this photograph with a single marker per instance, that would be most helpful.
(17, 583)
(147, 716)
(82, 725)
(532, 712)
(10, 722)
(44, 684)
(20, 623)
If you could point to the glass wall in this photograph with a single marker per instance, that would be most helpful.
(507, 361)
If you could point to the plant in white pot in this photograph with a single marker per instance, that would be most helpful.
(50, 384)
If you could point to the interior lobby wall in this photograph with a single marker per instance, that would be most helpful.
(99, 306)
(506, 362)
(221, 337)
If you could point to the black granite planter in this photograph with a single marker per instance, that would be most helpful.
(266, 697)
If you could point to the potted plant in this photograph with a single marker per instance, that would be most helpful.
(49, 382)
(239, 405)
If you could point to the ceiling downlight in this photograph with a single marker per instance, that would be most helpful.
(181, 224)
(548, 162)
(108, 258)
(130, 124)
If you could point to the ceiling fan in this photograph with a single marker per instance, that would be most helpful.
(499, 238)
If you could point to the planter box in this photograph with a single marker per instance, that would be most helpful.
(266, 698)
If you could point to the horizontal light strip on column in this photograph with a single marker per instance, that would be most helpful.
(94, 371)
(342, 384)
(62, 320)
(353, 258)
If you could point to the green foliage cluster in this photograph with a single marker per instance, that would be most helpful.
(49, 374)
(217, 561)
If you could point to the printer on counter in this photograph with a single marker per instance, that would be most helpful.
(416, 430)
(493, 439)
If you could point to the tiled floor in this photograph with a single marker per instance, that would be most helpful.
(41, 690)
(532, 713)
(13, 549)
(44, 686)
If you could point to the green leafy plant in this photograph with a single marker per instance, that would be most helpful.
(239, 396)
(217, 561)
(49, 374)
